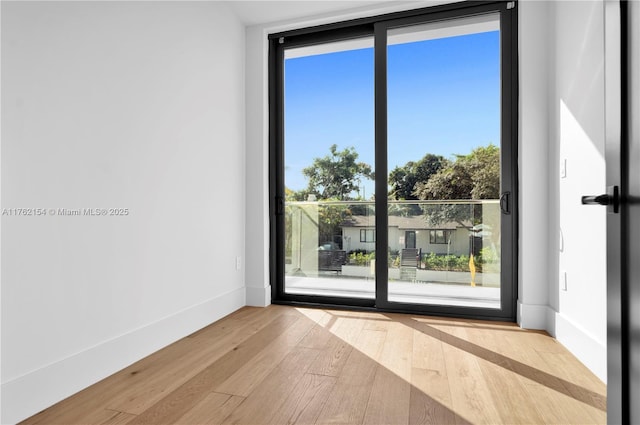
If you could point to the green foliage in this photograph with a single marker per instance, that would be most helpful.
(329, 219)
(403, 180)
(472, 176)
(488, 256)
(460, 263)
(336, 175)
(455, 263)
(360, 258)
(488, 260)
(431, 261)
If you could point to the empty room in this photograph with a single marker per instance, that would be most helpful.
(319, 212)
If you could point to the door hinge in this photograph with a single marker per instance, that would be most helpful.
(511, 5)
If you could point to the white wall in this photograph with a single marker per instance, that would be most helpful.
(535, 55)
(533, 157)
(578, 233)
(257, 135)
(562, 118)
(136, 105)
(257, 166)
(560, 53)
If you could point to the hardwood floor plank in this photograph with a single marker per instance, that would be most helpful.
(252, 318)
(181, 400)
(346, 327)
(128, 388)
(390, 396)
(509, 395)
(549, 386)
(341, 334)
(284, 365)
(212, 410)
(118, 418)
(582, 385)
(539, 382)
(348, 400)
(317, 338)
(469, 391)
(431, 401)
(248, 376)
(430, 398)
(507, 391)
(203, 350)
(427, 352)
(306, 401)
(266, 399)
(319, 316)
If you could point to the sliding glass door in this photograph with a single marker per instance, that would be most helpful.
(328, 167)
(443, 138)
(393, 162)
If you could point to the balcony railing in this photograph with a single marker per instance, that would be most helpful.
(451, 236)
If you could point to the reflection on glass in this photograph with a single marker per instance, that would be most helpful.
(444, 161)
(330, 248)
(430, 261)
(435, 260)
(443, 119)
(329, 156)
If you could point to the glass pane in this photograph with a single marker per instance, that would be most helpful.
(444, 162)
(329, 165)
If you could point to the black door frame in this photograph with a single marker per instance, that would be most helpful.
(631, 175)
(377, 27)
(622, 106)
(617, 403)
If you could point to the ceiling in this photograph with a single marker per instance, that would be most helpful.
(258, 12)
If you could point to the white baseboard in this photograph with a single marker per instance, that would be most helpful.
(258, 296)
(591, 352)
(533, 316)
(29, 394)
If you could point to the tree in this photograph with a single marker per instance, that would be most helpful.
(472, 176)
(403, 180)
(333, 177)
(336, 175)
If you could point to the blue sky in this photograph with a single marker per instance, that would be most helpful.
(443, 98)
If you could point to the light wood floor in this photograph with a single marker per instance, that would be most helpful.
(282, 365)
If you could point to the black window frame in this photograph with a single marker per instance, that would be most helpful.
(366, 232)
(433, 236)
(377, 27)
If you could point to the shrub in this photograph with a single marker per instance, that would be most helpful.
(360, 258)
(447, 262)
(488, 256)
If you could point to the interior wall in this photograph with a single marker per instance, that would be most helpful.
(561, 151)
(533, 156)
(577, 167)
(116, 105)
(560, 54)
(533, 146)
(257, 166)
(257, 136)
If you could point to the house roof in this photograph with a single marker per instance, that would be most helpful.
(404, 223)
